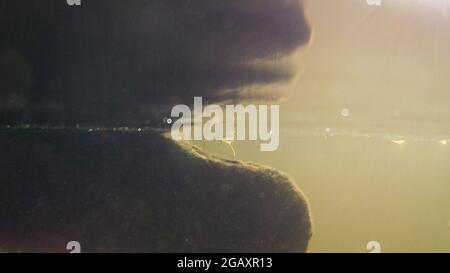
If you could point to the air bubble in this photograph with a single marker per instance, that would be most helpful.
(345, 112)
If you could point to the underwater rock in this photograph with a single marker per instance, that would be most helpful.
(141, 192)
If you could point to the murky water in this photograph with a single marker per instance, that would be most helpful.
(366, 185)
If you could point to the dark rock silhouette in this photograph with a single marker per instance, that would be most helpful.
(114, 62)
(129, 192)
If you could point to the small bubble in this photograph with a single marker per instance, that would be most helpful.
(139, 130)
(345, 112)
(169, 121)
